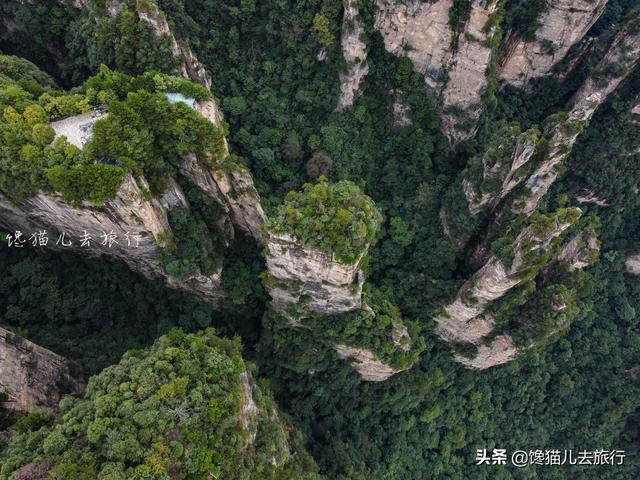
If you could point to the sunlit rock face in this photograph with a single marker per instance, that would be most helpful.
(354, 52)
(420, 31)
(621, 58)
(454, 63)
(136, 222)
(307, 281)
(467, 72)
(32, 376)
(464, 320)
(562, 25)
(365, 363)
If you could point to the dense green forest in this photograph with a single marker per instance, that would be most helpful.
(578, 390)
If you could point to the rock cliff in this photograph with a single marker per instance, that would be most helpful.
(307, 281)
(365, 363)
(562, 25)
(32, 376)
(467, 71)
(354, 52)
(464, 321)
(140, 225)
(502, 170)
(454, 61)
(312, 286)
(620, 59)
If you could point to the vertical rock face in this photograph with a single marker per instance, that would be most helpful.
(465, 320)
(354, 52)
(420, 31)
(134, 218)
(231, 185)
(467, 72)
(581, 250)
(501, 172)
(32, 376)
(310, 281)
(454, 64)
(621, 57)
(243, 200)
(563, 24)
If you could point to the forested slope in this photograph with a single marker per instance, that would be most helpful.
(448, 260)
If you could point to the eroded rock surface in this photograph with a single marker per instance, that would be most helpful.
(464, 320)
(354, 52)
(420, 31)
(365, 363)
(139, 222)
(32, 376)
(632, 264)
(581, 250)
(562, 25)
(499, 351)
(310, 281)
(467, 72)
(454, 64)
(621, 57)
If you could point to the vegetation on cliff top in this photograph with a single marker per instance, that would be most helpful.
(143, 133)
(172, 411)
(335, 218)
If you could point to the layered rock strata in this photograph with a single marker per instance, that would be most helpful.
(306, 281)
(562, 25)
(32, 376)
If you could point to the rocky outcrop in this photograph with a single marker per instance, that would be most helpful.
(189, 67)
(467, 72)
(354, 52)
(620, 59)
(499, 350)
(502, 166)
(454, 63)
(32, 376)
(632, 264)
(562, 25)
(581, 251)
(365, 363)
(464, 320)
(137, 224)
(242, 199)
(235, 189)
(420, 31)
(401, 113)
(248, 407)
(589, 196)
(305, 281)
(231, 184)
